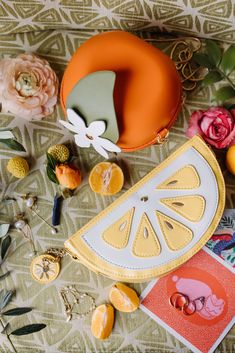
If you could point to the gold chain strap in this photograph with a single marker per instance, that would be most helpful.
(181, 53)
(77, 298)
(57, 253)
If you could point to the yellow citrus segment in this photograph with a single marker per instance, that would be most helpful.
(106, 178)
(146, 243)
(230, 159)
(102, 321)
(185, 178)
(124, 298)
(190, 207)
(177, 235)
(117, 235)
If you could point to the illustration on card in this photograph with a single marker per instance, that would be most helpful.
(222, 243)
(195, 302)
(198, 296)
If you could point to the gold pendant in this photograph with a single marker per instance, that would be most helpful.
(45, 268)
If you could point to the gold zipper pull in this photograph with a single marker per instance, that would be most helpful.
(162, 136)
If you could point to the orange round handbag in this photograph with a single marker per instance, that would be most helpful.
(147, 91)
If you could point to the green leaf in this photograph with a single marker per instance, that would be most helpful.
(211, 77)
(214, 52)
(4, 229)
(223, 94)
(5, 298)
(203, 60)
(26, 330)
(51, 175)
(17, 311)
(228, 60)
(4, 275)
(51, 161)
(6, 134)
(13, 144)
(5, 246)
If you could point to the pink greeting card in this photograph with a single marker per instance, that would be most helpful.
(209, 289)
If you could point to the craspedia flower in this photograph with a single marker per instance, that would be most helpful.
(18, 167)
(59, 152)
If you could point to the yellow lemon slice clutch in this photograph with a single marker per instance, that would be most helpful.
(160, 222)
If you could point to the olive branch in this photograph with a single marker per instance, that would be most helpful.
(5, 298)
(7, 295)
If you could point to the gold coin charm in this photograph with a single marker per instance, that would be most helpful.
(45, 268)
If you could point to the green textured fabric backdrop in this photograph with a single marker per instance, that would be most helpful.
(22, 26)
(206, 18)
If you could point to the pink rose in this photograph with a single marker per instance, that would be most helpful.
(28, 87)
(216, 125)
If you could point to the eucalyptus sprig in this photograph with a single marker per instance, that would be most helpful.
(220, 66)
(5, 298)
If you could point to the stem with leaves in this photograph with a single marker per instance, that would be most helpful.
(8, 336)
(220, 66)
(5, 298)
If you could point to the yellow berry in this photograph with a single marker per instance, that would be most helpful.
(124, 298)
(59, 152)
(18, 167)
(102, 321)
(230, 159)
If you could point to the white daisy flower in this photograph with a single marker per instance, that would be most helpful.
(87, 136)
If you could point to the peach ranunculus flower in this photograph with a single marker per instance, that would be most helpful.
(28, 87)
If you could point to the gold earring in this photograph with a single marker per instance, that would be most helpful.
(22, 225)
(31, 204)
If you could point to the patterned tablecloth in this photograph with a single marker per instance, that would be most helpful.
(204, 18)
(135, 332)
